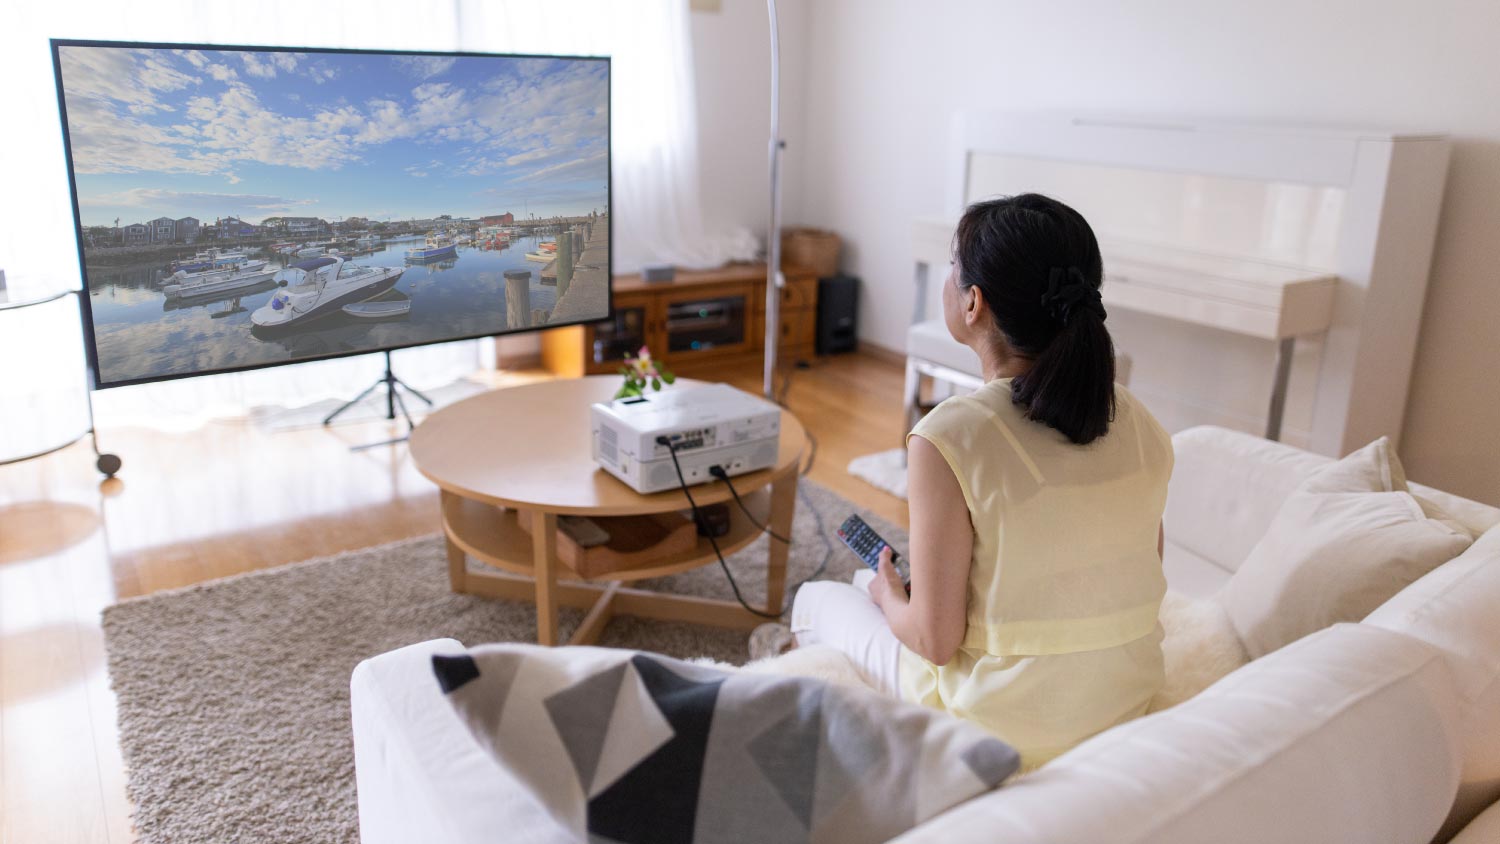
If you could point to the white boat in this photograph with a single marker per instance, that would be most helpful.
(207, 260)
(438, 247)
(318, 288)
(216, 283)
(384, 309)
(309, 252)
(542, 257)
(193, 276)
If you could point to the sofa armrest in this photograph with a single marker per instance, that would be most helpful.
(419, 772)
(1226, 487)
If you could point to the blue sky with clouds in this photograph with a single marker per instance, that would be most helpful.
(214, 133)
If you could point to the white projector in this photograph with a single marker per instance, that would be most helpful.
(709, 425)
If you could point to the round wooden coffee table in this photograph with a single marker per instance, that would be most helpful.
(523, 453)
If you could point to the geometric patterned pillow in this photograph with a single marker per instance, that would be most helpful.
(623, 746)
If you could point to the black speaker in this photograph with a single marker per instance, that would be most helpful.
(838, 314)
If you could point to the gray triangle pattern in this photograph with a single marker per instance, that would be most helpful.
(580, 714)
(992, 761)
(786, 753)
(851, 747)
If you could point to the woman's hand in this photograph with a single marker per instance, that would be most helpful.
(886, 589)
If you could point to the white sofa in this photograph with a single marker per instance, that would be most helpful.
(1382, 731)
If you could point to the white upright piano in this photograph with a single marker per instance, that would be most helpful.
(1267, 278)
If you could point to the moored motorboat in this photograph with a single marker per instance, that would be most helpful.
(318, 288)
(309, 252)
(213, 283)
(207, 260)
(437, 247)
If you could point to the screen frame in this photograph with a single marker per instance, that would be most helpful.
(91, 348)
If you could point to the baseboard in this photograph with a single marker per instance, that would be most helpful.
(881, 353)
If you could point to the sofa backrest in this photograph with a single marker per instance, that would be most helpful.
(1456, 608)
(1227, 486)
(1349, 735)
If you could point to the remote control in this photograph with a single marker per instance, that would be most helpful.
(867, 544)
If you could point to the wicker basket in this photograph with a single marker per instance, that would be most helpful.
(815, 249)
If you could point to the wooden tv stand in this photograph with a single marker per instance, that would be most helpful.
(728, 327)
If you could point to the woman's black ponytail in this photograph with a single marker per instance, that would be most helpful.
(1036, 262)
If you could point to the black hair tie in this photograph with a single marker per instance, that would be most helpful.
(1069, 294)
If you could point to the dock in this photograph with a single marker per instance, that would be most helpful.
(587, 295)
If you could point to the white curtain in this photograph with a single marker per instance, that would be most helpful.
(654, 149)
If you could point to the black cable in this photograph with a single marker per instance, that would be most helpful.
(713, 541)
(718, 472)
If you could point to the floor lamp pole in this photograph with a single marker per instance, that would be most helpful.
(774, 279)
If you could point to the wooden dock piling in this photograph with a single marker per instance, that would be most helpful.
(518, 298)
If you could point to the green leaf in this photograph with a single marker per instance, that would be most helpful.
(668, 377)
(656, 383)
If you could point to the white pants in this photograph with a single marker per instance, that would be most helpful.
(842, 616)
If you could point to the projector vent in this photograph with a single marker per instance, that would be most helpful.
(609, 445)
(741, 435)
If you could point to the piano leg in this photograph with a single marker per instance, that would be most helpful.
(1278, 387)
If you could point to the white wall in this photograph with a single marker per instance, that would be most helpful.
(884, 76)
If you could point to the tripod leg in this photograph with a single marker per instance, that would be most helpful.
(410, 425)
(350, 403)
(414, 392)
(396, 398)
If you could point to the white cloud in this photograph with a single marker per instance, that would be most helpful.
(132, 78)
(430, 90)
(537, 126)
(321, 72)
(265, 65)
(596, 165)
(232, 202)
(425, 67)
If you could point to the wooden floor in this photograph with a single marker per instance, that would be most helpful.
(229, 498)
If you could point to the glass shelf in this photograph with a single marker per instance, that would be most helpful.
(43, 374)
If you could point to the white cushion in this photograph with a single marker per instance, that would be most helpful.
(1484, 829)
(931, 341)
(1226, 488)
(1349, 735)
(620, 745)
(1457, 609)
(1189, 573)
(1228, 485)
(1347, 540)
(1475, 517)
(419, 773)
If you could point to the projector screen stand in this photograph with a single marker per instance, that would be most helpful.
(392, 402)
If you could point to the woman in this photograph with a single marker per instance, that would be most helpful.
(1036, 508)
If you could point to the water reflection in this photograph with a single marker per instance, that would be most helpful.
(142, 335)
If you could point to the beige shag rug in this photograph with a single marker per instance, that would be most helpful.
(234, 695)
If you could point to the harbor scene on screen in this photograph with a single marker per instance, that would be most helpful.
(240, 208)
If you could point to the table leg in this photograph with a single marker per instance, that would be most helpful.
(544, 563)
(783, 508)
(457, 559)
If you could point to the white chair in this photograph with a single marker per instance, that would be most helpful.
(931, 352)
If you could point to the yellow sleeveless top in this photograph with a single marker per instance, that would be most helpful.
(1065, 582)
